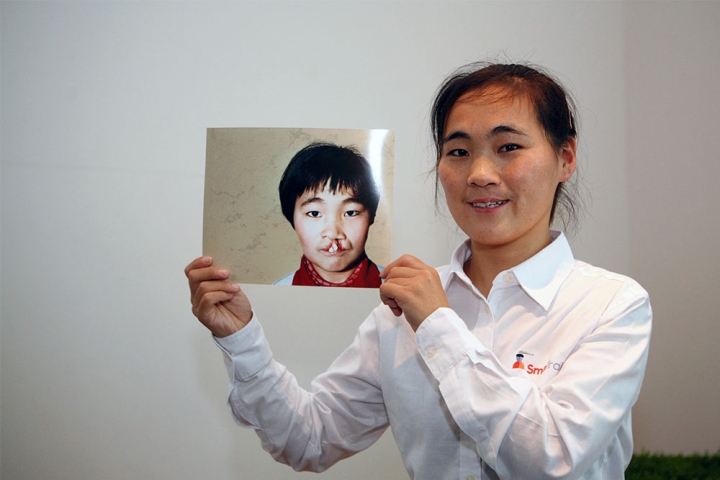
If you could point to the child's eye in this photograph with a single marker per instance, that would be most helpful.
(509, 147)
(352, 213)
(313, 214)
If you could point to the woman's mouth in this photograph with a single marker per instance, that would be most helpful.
(493, 204)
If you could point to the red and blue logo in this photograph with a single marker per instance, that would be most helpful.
(532, 369)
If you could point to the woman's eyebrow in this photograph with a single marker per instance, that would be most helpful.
(455, 135)
(500, 129)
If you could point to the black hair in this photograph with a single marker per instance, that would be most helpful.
(554, 107)
(326, 165)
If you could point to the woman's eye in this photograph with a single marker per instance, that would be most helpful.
(313, 214)
(458, 152)
(509, 147)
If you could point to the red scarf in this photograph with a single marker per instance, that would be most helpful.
(365, 275)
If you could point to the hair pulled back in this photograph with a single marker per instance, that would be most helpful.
(554, 107)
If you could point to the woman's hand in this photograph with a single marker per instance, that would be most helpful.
(412, 288)
(219, 305)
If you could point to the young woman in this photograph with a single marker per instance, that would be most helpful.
(439, 360)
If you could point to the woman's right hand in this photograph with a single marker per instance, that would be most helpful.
(219, 305)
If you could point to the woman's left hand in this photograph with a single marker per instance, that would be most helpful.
(412, 288)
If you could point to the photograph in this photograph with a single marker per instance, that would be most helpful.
(299, 207)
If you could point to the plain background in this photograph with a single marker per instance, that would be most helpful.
(104, 371)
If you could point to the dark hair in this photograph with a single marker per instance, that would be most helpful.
(326, 165)
(554, 107)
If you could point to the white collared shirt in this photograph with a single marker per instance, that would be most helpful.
(457, 407)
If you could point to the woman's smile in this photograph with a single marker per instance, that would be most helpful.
(499, 171)
(487, 205)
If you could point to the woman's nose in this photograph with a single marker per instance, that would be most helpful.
(483, 172)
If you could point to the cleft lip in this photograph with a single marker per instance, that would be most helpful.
(335, 248)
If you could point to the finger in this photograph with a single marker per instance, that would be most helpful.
(208, 273)
(407, 261)
(394, 307)
(402, 272)
(205, 309)
(200, 262)
(387, 296)
(208, 287)
(393, 291)
(199, 275)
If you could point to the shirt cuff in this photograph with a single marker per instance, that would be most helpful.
(246, 351)
(442, 339)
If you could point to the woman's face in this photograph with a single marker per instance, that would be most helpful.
(499, 172)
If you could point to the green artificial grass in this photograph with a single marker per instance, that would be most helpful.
(654, 466)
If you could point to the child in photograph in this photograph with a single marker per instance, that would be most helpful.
(329, 196)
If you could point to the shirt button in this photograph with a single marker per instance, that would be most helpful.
(469, 477)
(487, 309)
(431, 352)
(508, 277)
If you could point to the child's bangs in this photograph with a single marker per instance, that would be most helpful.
(334, 186)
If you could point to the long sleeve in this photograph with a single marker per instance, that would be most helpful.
(309, 430)
(535, 381)
(562, 424)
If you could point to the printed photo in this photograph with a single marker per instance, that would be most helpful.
(299, 207)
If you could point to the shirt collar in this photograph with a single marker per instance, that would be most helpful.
(540, 276)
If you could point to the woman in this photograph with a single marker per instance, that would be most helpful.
(435, 361)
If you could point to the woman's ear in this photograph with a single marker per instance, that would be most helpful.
(568, 156)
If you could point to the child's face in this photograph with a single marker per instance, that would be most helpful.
(332, 229)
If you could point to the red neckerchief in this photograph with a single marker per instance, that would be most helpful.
(365, 275)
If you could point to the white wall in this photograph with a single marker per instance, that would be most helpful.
(104, 372)
(673, 67)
